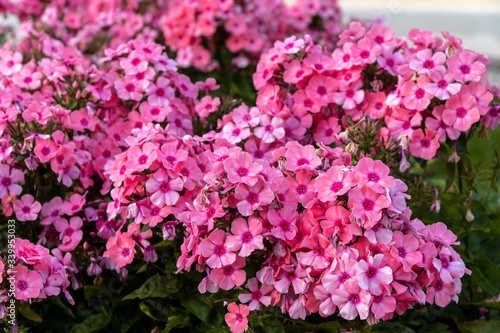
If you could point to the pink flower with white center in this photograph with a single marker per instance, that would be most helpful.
(465, 66)
(461, 112)
(27, 283)
(45, 149)
(129, 90)
(382, 305)
(70, 233)
(437, 124)
(350, 96)
(321, 252)
(27, 208)
(296, 276)
(326, 130)
(374, 174)
(290, 45)
(302, 188)
(235, 133)
(207, 105)
(236, 319)
(448, 268)
(140, 159)
(367, 204)
(333, 183)
(404, 248)
(229, 276)
(424, 62)
(321, 89)
(241, 169)
(165, 191)
(295, 72)
(270, 129)
(284, 222)
(352, 300)
(424, 146)
(135, 63)
(373, 277)
(440, 292)
(159, 93)
(120, 249)
(442, 86)
(8, 178)
(246, 236)
(216, 251)
(302, 158)
(415, 96)
(257, 296)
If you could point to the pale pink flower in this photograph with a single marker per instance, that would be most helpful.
(374, 174)
(373, 275)
(465, 66)
(257, 295)
(270, 129)
(302, 158)
(246, 236)
(236, 319)
(284, 222)
(333, 183)
(251, 198)
(70, 233)
(27, 283)
(241, 169)
(165, 191)
(8, 178)
(352, 300)
(461, 112)
(424, 146)
(120, 249)
(404, 248)
(27, 208)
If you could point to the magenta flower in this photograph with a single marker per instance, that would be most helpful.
(461, 112)
(373, 277)
(424, 146)
(288, 275)
(257, 295)
(241, 169)
(252, 197)
(352, 300)
(135, 63)
(437, 124)
(246, 236)
(120, 249)
(404, 248)
(367, 204)
(229, 276)
(302, 158)
(218, 253)
(333, 183)
(350, 96)
(374, 174)
(415, 96)
(8, 178)
(321, 89)
(165, 191)
(321, 252)
(465, 66)
(140, 159)
(284, 222)
(236, 319)
(27, 208)
(424, 62)
(27, 283)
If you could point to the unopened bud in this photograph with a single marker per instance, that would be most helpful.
(377, 85)
(436, 206)
(78, 94)
(75, 85)
(454, 158)
(469, 216)
(150, 254)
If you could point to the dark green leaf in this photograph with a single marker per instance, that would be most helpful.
(272, 325)
(176, 321)
(479, 326)
(155, 310)
(487, 275)
(92, 324)
(157, 286)
(28, 313)
(199, 308)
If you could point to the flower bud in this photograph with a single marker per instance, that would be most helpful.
(352, 148)
(454, 158)
(150, 254)
(469, 216)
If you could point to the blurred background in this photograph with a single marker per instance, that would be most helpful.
(476, 22)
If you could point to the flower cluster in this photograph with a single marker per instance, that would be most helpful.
(421, 95)
(195, 30)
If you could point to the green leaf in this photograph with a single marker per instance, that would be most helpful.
(177, 321)
(491, 305)
(155, 310)
(272, 325)
(131, 317)
(487, 275)
(388, 327)
(28, 313)
(157, 286)
(479, 326)
(92, 324)
(199, 308)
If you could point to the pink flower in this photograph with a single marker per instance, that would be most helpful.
(461, 112)
(321, 89)
(236, 319)
(140, 159)
(443, 86)
(302, 188)
(382, 305)
(296, 276)
(257, 295)
(350, 96)
(207, 106)
(251, 198)
(352, 300)
(326, 129)
(404, 248)
(120, 249)
(160, 92)
(270, 130)
(27, 208)
(466, 67)
(373, 277)
(333, 183)
(8, 178)
(235, 133)
(424, 146)
(302, 158)
(424, 62)
(290, 45)
(367, 204)
(440, 293)
(320, 254)
(27, 284)
(229, 276)
(437, 124)
(70, 235)
(129, 90)
(246, 236)
(374, 174)
(241, 169)
(214, 248)
(164, 190)
(415, 96)
(337, 223)
(45, 149)
(284, 222)
(295, 72)
(135, 63)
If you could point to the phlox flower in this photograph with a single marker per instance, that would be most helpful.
(164, 189)
(350, 96)
(297, 276)
(27, 283)
(236, 319)
(70, 233)
(45, 149)
(333, 183)
(302, 158)
(245, 115)
(235, 133)
(129, 90)
(326, 130)
(295, 72)
(252, 197)
(437, 124)
(424, 62)
(319, 62)
(320, 254)
(448, 268)
(284, 222)
(246, 237)
(170, 156)
(352, 300)
(404, 248)
(326, 307)
(241, 169)
(424, 146)
(337, 223)
(302, 187)
(374, 174)
(8, 178)
(402, 121)
(390, 60)
(229, 276)
(134, 63)
(120, 249)
(442, 86)
(207, 106)
(27, 208)
(465, 66)
(140, 159)
(189, 172)
(73, 205)
(160, 93)
(367, 204)
(257, 296)
(321, 89)
(373, 275)
(461, 112)
(415, 95)
(482, 95)
(303, 103)
(382, 305)
(290, 45)
(214, 248)
(440, 292)
(270, 129)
